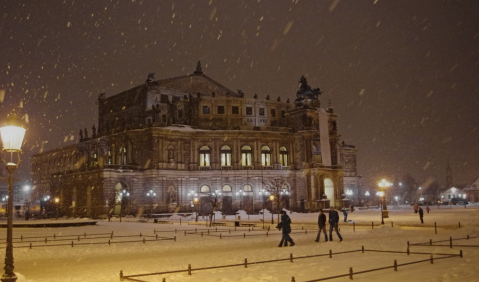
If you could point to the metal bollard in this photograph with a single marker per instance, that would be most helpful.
(330, 254)
(362, 249)
(291, 257)
(245, 263)
(432, 260)
(189, 269)
(72, 244)
(395, 265)
(351, 273)
(460, 253)
(174, 238)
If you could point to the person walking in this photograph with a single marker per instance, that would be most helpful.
(285, 224)
(333, 224)
(428, 209)
(345, 214)
(322, 226)
(415, 208)
(421, 214)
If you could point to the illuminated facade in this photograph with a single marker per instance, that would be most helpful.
(191, 135)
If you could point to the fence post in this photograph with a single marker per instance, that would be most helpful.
(185, 232)
(121, 275)
(354, 226)
(244, 235)
(30, 246)
(266, 233)
(84, 234)
(249, 230)
(189, 269)
(143, 240)
(175, 230)
(432, 260)
(21, 238)
(201, 234)
(460, 253)
(292, 279)
(220, 235)
(392, 224)
(140, 234)
(109, 242)
(467, 237)
(362, 249)
(351, 273)
(156, 236)
(180, 220)
(174, 238)
(435, 227)
(164, 279)
(395, 265)
(305, 231)
(72, 244)
(450, 242)
(330, 254)
(291, 257)
(54, 236)
(245, 263)
(78, 238)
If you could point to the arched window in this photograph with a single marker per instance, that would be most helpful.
(283, 156)
(226, 188)
(225, 156)
(265, 156)
(205, 189)
(247, 188)
(205, 156)
(246, 156)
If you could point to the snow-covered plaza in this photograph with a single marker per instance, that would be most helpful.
(92, 258)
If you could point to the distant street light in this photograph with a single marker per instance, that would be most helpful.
(264, 193)
(384, 210)
(150, 196)
(12, 138)
(271, 198)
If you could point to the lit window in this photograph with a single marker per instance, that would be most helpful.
(265, 156)
(205, 189)
(226, 188)
(247, 188)
(246, 156)
(283, 156)
(205, 156)
(225, 156)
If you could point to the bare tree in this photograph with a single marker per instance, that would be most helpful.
(215, 200)
(279, 189)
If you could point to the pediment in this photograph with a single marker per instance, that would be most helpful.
(194, 83)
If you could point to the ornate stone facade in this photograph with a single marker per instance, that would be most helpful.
(190, 134)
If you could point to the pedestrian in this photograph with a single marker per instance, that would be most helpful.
(428, 209)
(285, 224)
(415, 208)
(345, 214)
(421, 214)
(333, 224)
(322, 226)
(352, 208)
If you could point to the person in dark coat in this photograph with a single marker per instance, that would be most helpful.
(333, 224)
(421, 214)
(322, 226)
(285, 224)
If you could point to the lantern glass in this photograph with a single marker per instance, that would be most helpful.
(12, 137)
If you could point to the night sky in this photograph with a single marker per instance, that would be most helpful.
(402, 75)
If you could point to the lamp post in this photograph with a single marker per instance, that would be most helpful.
(271, 198)
(12, 138)
(240, 194)
(122, 194)
(384, 210)
(150, 196)
(196, 201)
(57, 201)
(263, 194)
(397, 200)
(193, 194)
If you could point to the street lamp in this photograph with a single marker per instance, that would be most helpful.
(196, 201)
(264, 193)
(12, 138)
(150, 196)
(271, 198)
(384, 211)
(193, 194)
(122, 194)
(397, 200)
(56, 200)
(241, 193)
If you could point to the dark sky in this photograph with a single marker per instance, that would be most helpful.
(402, 74)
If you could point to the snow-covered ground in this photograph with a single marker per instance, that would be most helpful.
(103, 262)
